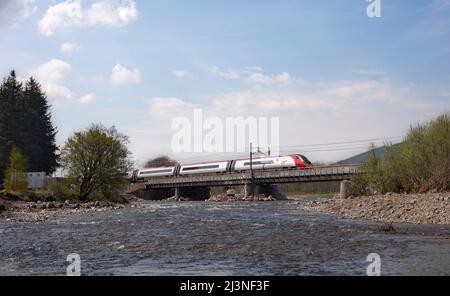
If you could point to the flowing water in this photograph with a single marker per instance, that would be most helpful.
(202, 238)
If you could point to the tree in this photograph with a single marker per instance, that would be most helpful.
(25, 122)
(15, 174)
(11, 118)
(420, 164)
(40, 147)
(161, 161)
(96, 157)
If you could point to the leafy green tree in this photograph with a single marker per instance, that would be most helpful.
(97, 157)
(15, 174)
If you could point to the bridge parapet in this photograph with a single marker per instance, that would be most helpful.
(328, 173)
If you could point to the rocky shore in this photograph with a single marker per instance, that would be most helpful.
(19, 211)
(427, 208)
(225, 198)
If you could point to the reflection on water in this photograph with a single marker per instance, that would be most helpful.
(201, 238)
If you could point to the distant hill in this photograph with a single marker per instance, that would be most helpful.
(357, 159)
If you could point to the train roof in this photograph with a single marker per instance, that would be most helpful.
(207, 162)
(157, 168)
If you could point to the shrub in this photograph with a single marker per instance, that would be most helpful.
(420, 164)
(15, 173)
(62, 189)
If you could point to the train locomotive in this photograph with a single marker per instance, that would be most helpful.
(293, 161)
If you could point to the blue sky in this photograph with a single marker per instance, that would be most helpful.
(326, 69)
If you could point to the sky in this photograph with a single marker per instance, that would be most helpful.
(329, 72)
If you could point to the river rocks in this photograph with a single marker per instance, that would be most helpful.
(174, 198)
(427, 208)
(42, 211)
(387, 227)
(51, 205)
(226, 198)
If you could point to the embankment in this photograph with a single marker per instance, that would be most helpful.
(427, 208)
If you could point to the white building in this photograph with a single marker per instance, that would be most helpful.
(35, 180)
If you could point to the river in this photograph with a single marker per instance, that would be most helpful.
(203, 238)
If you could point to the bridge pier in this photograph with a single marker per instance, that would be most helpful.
(177, 192)
(250, 189)
(344, 189)
(196, 193)
(271, 190)
(153, 194)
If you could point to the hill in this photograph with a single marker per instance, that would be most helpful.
(359, 158)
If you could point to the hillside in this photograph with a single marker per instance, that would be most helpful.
(359, 158)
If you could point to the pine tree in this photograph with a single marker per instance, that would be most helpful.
(40, 146)
(11, 101)
(25, 122)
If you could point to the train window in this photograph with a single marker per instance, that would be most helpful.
(205, 167)
(305, 159)
(155, 172)
(259, 162)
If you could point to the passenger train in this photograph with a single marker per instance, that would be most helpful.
(293, 161)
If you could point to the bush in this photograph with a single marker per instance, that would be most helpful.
(15, 173)
(27, 195)
(62, 189)
(420, 164)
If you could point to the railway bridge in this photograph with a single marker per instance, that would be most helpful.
(252, 180)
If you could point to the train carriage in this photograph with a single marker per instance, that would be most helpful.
(280, 162)
(294, 161)
(204, 168)
(156, 172)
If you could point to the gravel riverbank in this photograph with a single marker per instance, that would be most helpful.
(427, 208)
(18, 211)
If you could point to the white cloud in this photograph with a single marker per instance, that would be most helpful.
(87, 99)
(58, 94)
(325, 112)
(62, 15)
(168, 105)
(52, 71)
(122, 75)
(372, 72)
(253, 75)
(69, 47)
(51, 75)
(70, 14)
(111, 13)
(270, 79)
(14, 11)
(179, 73)
(230, 74)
